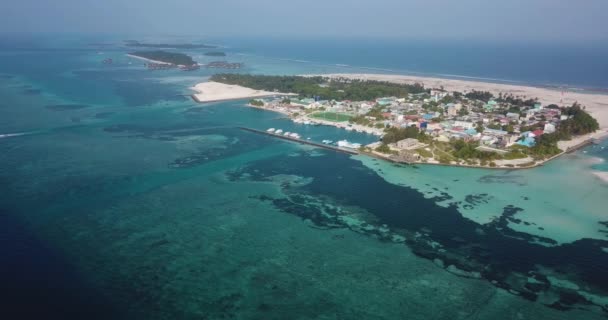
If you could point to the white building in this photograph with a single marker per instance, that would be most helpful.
(549, 128)
(408, 143)
(464, 124)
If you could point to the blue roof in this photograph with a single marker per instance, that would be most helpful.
(471, 132)
(428, 116)
(495, 131)
(527, 142)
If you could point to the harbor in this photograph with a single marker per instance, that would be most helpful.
(294, 137)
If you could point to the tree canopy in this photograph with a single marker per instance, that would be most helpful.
(167, 57)
(322, 87)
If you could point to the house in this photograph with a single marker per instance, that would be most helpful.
(490, 106)
(494, 132)
(428, 116)
(471, 132)
(513, 116)
(438, 94)
(385, 101)
(452, 112)
(407, 144)
(464, 124)
(527, 142)
(549, 128)
(487, 140)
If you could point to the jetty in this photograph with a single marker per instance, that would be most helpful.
(302, 141)
(583, 144)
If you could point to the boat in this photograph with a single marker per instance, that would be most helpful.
(294, 135)
(279, 131)
(327, 141)
(349, 145)
(271, 130)
(190, 67)
(286, 133)
(348, 128)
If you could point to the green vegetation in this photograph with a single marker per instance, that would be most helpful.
(331, 116)
(384, 148)
(393, 134)
(167, 57)
(479, 95)
(424, 153)
(516, 101)
(324, 88)
(514, 154)
(257, 103)
(579, 122)
(215, 54)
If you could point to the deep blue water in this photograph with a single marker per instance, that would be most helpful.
(542, 64)
(37, 283)
(41, 283)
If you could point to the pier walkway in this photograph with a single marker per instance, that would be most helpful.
(302, 141)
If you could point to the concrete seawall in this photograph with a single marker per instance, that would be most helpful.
(311, 143)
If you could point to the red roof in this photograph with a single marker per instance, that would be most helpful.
(387, 114)
(411, 117)
(537, 132)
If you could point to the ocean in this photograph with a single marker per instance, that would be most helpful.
(122, 198)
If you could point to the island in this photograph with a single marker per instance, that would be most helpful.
(215, 54)
(224, 65)
(165, 60)
(212, 91)
(462, 126)
(135, 43)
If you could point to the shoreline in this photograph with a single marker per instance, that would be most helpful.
(211, 91)
(602, 175)
(146, 59)
(596, 103)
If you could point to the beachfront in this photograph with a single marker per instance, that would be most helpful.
(443, 122)
(214, 91)
(596, 104)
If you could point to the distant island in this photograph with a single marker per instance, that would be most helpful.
(135, 43)
(224, 65)
(431, 125)
(322, 87)
(171, 58)
(215, 54)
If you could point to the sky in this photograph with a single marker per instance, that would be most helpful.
(556, 21)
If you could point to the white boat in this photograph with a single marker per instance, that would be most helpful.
(279, 131)
(271, 130)
(346, 144)
(327, 141)
(348, 128)
(8, 135)
(286, 133)
(295, 135)
(308, 138)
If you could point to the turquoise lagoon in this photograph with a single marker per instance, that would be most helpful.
(133, 202)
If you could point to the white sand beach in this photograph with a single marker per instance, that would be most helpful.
(146, 59)
(596, 104)
(603, 175)
(214, 91)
